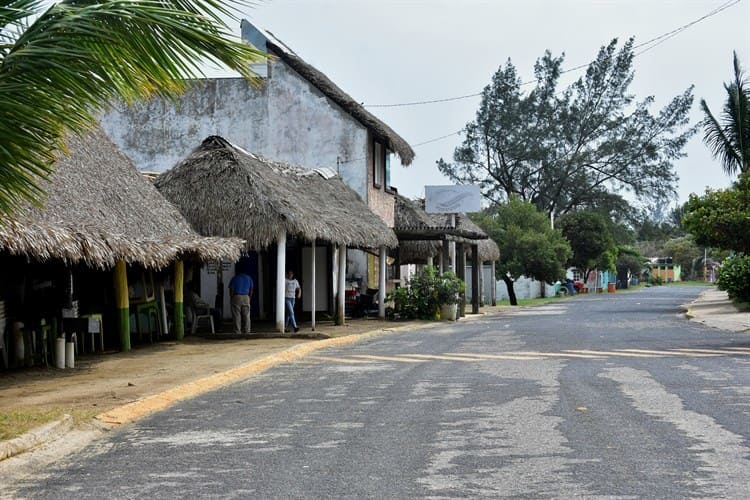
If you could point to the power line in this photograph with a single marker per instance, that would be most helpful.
(436, 139)
(656, 41)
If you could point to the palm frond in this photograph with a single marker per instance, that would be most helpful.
(729, 139)
(82, 55)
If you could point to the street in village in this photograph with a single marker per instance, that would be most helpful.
(602, 395)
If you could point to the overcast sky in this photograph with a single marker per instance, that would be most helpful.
(401, 51)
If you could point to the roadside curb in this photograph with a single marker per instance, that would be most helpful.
(35, 437)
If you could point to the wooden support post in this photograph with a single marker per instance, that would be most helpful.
(122, 302)
(494, 283)
(460, 271)
(445, 257)
(475, 273)
(314, 286)
(179, 300)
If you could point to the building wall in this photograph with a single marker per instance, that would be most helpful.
(284, 119)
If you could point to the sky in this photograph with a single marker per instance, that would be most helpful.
(405, 51)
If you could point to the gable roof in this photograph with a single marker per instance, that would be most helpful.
(99, 209)
(392, 140)
(226, 191)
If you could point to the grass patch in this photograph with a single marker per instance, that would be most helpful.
(690, 283)
(17, 421)
(530, 302)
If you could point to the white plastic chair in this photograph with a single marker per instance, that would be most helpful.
(200, 313)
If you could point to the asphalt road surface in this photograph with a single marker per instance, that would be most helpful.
(608, 395)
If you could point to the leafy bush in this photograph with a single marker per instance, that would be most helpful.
(424, 293)
(450, 288)
(656, 280)
(734, 277)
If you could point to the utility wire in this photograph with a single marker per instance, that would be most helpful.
(656, 41)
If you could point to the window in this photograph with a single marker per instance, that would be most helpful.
(378, 164)
(387, 170)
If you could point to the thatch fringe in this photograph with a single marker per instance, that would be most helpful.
(225, 191)
(99, 209)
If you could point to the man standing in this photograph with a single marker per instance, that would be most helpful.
(241, 291)
(293, 292)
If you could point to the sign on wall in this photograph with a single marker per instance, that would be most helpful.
(461, 198)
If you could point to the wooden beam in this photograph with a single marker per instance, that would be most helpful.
(475, 272)
(179, 300)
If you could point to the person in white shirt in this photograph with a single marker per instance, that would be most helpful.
(293, 292)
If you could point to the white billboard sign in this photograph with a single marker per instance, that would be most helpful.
(461, 198)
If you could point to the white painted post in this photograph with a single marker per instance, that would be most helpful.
(381, 276)
(280, 280)
(164, 322)
(341, 299)
(314, 286)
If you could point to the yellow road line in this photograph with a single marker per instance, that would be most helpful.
(714, 351)
(449, 357)
(557, 354)
(339, 360)
(672, 353)
(494, 356)
(613, 353)
(388, 358)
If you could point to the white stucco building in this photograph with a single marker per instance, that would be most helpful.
(296, 115)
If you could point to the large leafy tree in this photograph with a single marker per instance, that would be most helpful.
(728, 137)
(60, 65)
(721, 218)
(528, 244)
(571, 148)
(590, 237)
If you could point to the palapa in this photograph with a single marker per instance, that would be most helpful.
(98, 209)
(226, 191)
(421, 233)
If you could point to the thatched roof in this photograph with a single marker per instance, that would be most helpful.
(420, 233)
(99, 209)
(226, 191)
(487, 248)
(392, 140)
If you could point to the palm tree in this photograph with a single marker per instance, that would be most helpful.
(61, 65)
(729, 140)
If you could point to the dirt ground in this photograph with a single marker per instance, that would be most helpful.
(103, 381)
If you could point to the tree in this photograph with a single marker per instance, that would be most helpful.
(629, 261)
(729, 138)
(61, 66)
(686, 253)
(590, 239)
(721, 218)
(572, 148)
(528, 244)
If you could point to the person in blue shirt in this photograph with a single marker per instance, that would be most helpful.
(241, 291)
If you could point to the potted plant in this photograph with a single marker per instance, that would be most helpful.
(449, 291)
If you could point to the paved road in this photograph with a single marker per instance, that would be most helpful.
(598, 396)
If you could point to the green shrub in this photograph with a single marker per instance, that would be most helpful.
(734, 277)
(424, 293)
(656, 280)
(450, 288)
